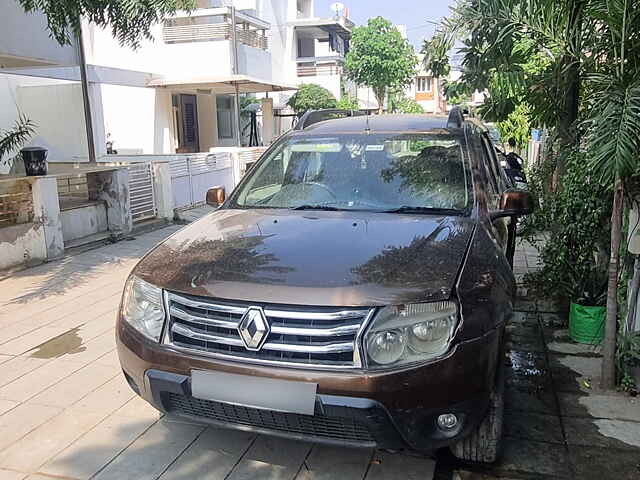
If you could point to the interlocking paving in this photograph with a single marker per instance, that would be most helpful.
(67, 412)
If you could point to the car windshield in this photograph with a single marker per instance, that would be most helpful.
(360, 172)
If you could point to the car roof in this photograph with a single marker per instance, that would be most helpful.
(379, 123)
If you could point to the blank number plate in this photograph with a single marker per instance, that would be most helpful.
(255, 392)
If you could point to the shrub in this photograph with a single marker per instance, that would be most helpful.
(311, 97)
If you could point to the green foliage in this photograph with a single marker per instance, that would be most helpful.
(14, 138)
(399, 103)
(627, 356)
(311, 97)
(614, 128)
(517, 125)
(348, 103)
(380, 58)
(578, 242)
(130, 21)
(456, 93)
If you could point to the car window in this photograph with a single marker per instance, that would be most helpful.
(494, 163)
(270, 182)
(361, 172)
(493, 188)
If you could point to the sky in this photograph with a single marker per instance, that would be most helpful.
(415, 14)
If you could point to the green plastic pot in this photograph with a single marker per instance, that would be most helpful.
(586, 324)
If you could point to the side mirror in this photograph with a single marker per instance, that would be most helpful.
(515, 203)
(215, 196)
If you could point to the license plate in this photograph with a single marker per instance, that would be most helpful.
(255, 392)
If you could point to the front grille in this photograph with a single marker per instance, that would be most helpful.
(318, 426)
(323, 337)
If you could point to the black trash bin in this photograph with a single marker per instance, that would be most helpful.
(35, 160)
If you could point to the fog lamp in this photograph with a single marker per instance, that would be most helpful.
(447, 421)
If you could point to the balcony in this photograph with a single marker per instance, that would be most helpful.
(320, 66)
(211, 24)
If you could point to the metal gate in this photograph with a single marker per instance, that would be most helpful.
(192, 175)
(141, 192)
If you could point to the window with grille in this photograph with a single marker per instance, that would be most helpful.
(224, 108)
(424, 84)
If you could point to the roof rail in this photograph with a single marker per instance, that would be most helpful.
(456, 118)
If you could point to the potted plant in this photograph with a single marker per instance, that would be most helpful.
(588, 307)
(15, 137)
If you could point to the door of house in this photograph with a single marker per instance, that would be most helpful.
(188, 140)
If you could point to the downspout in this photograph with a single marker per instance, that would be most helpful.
(234, 49)
(88, 120)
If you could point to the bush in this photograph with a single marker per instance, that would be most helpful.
(577, 217)
(311, 97)
(408, 105)
(348, 103)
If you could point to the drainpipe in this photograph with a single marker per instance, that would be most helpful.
(234, 52)
(85, 99)
(234, 49)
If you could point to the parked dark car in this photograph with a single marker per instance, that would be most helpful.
(353, 290)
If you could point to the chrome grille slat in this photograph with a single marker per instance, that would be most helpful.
(281, 347)
(298, 336)
(317, 332)
(176, 312)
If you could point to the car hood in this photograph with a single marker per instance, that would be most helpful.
(312, 258)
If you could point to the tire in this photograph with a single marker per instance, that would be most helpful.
(484, 443)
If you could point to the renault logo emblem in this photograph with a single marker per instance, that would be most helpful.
(253, 328)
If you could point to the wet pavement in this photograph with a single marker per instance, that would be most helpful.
(557, 424)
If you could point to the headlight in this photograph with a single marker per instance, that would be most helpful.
(410, 333)
(142, 307)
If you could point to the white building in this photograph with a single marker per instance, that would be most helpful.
(427, 90)
(176, 93)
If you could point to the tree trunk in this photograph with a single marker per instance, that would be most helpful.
(608, 380)
(380, 94)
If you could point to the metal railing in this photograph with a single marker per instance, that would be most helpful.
(310, 67)
(142, 192)
(216, 24)
(193, 174)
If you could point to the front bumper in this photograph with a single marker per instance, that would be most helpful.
(395, 409)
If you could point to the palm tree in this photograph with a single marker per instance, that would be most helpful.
(15, 137)
(613, 123)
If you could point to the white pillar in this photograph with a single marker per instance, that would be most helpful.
(163, 190)
(268, 121)
(112, 186)
(46, 210)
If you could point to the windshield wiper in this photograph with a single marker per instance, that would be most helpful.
(316, 207)
(424, 210)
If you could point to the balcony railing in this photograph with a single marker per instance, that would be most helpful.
(317, 66)
(211, 24)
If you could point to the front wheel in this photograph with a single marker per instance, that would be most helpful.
(484, 443)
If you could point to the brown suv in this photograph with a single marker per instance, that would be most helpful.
(352, 290)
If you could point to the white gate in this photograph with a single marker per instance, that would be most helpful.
(141, 191)
(192, 175)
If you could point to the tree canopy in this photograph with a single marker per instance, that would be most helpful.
(311, 97)
(380, 58)
(130, 21)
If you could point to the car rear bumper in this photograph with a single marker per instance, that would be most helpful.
(386, 410)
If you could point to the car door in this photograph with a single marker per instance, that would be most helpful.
(494, 189)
